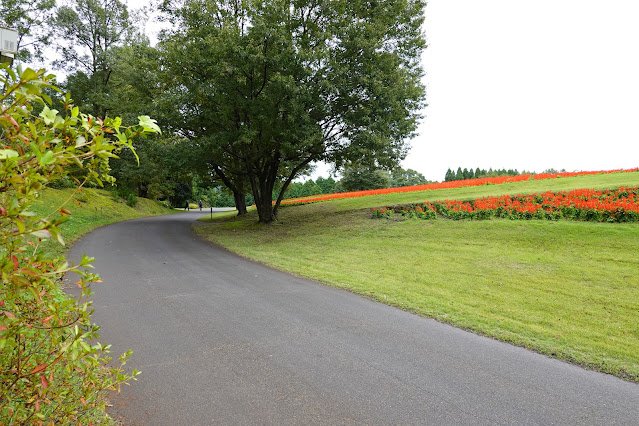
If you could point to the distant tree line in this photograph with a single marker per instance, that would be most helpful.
(477, 173)
(483, 173)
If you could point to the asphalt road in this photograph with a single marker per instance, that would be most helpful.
(222, 340)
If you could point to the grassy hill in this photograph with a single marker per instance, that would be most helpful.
(90, 208)
(563, 288)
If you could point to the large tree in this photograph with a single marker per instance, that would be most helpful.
(360, 178)
(408, 177)
(90, 31)
(270, 87)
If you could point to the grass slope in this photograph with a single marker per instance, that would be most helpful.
(90, 208)
(565, 289)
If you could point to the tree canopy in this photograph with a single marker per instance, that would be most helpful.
(262, 89)
(90, 31)
(358, 178)
(408, 177)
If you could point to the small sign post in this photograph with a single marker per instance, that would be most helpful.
(8, 45)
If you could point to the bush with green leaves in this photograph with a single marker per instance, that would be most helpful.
(52, 367)
(125, 194)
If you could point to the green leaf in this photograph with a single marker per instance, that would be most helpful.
(121, 137)
(149, 124)
(28, 74)
(47, 158)
(42, 233)
(117, 122)
(8, 153)
(11, 73)
(62, 267)
(48, 115)
(56, 233)
(86, 260)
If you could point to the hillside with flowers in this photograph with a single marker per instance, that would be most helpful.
(450, 184)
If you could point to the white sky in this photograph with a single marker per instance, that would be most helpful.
(528, 85)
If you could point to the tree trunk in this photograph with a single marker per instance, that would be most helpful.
(288, 181)
(265, 210)
(238, 193)
(263, 193)
(240, 203)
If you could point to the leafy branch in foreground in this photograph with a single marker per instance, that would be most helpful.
(52, 368)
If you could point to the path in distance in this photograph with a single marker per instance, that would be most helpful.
(223, 340)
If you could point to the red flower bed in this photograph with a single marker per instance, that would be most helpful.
(444, 185)
(621, 205)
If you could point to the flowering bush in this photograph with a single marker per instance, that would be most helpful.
(619, 205)
(382, 213)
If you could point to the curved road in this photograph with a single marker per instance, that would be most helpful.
(222, 340)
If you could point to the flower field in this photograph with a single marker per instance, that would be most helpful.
(620, 205)
(446, 185)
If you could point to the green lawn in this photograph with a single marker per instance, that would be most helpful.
(566, 289)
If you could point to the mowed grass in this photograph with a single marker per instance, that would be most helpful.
(90, 208)
(566, 289)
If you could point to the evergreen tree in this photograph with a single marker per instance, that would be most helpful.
(450, 176)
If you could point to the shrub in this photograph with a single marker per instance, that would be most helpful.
(52, 367)
(131, 200)
(64, 182)
(124, 194)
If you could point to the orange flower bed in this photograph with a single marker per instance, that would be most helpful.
(445, 185)
(621, 205)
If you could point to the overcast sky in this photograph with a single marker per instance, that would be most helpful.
(529, 85)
